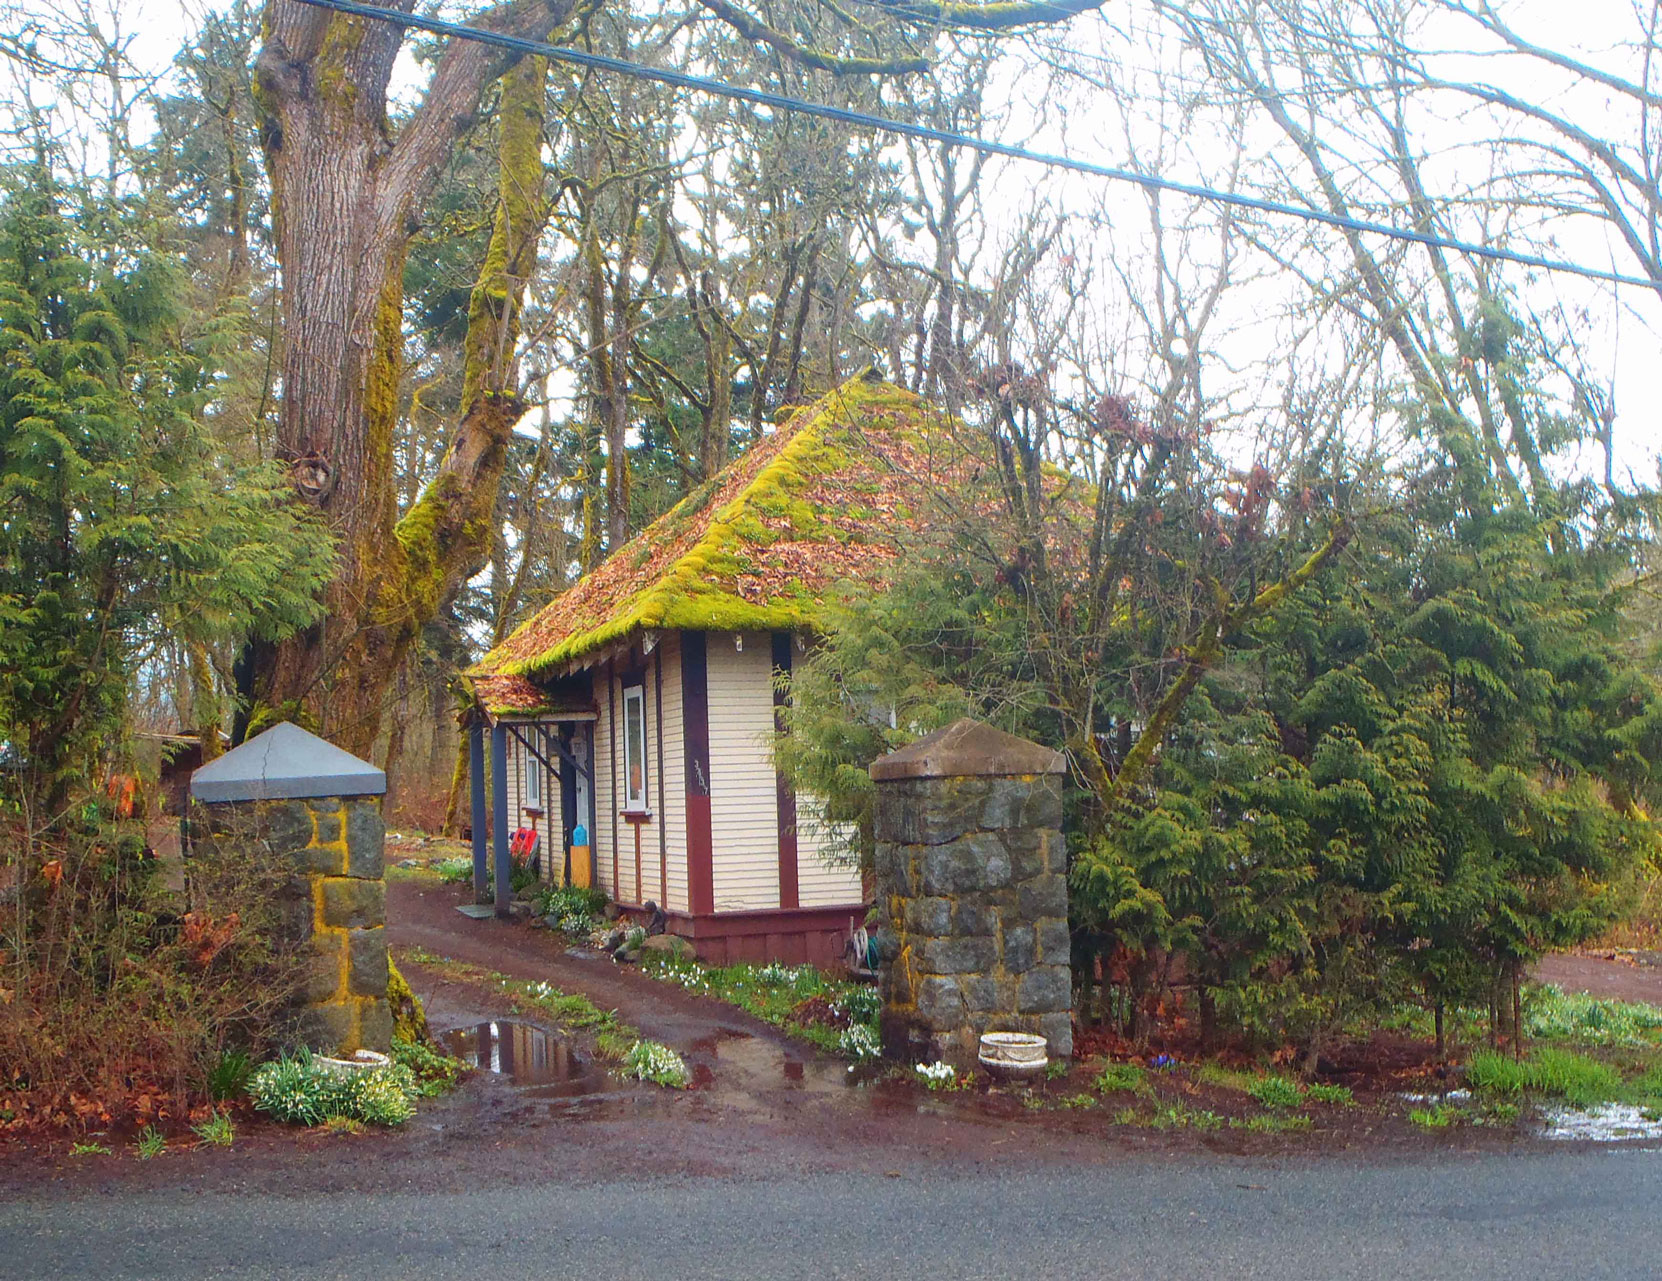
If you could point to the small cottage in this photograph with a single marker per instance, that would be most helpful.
(641, 704)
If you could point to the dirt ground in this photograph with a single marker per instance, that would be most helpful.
(761, 1103)
(1623, 975)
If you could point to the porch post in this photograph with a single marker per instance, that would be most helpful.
(476, 793)
(499, 818)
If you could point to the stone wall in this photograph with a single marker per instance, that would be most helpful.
(334, 903)
(972, 888)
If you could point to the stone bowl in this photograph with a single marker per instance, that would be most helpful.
(361, 1061)
(1014, 1056)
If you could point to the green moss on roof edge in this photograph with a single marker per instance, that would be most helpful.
(682, 598)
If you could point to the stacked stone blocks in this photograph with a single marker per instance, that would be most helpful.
(313, 813)
(971, 871)
(334, 904)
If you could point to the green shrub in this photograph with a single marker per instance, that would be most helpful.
(572, 909)
(301, 1091)
(228, 1077)
(1554, 1073)
(1276, 1093)
(435, 1073)
(455, 871)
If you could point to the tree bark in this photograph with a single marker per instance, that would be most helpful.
(346, 195)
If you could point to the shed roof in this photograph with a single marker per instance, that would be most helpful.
(820, 502)
(285, 762)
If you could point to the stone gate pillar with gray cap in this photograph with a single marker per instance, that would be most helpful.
(315, 810)
(972, 891)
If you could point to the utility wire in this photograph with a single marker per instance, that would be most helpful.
(882, 124)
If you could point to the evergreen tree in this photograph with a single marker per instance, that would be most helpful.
(121, 523)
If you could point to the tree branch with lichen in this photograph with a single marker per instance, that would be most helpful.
(1199, 658)
(754, 29)
(999, 15)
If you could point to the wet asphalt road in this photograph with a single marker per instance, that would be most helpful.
(1561, 1215)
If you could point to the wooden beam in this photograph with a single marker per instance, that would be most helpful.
(789, 876)
(476, 786)
(695, 710)
(499, 819)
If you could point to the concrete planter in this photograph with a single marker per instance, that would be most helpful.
(1014, 1056)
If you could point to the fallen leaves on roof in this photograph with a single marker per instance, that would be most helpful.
(820, 504)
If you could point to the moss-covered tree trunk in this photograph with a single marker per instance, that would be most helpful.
(346, 197)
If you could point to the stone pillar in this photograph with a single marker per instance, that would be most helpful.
(972, 890)
(316, 810)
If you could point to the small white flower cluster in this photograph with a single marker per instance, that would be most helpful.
(656, 1062)
(858, 1004)
(859, 1042)
(937, 1074)
(776, 975)
(690, 977)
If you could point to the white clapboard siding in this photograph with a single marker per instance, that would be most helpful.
(821, 883)
(627, 890)
(605, 791)
(744, 811)
(673, 813)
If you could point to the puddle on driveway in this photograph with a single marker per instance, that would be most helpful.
(1608, 1123)
(765, 1064)
(528, 1056)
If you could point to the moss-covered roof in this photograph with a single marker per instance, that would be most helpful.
(821, 502)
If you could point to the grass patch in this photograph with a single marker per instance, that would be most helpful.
(151, 1143)
(217, 1131)
(1440, 1117)
(89, 1149)
(777, 994)
(1274, 1123)
(1553, 1015)
(1122, 1078)
(1549, 1072)
(1077, 1101)
(1178, 1116)
(1224, 1078)
(1337, 1095)
(1277, 1093)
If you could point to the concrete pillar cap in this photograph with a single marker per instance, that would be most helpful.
(285, 763)
(968, 749)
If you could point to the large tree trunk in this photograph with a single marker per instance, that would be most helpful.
(346, 198)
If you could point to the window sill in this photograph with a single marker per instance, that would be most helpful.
(635, 816)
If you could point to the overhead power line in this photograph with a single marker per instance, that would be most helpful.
(967, 142)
